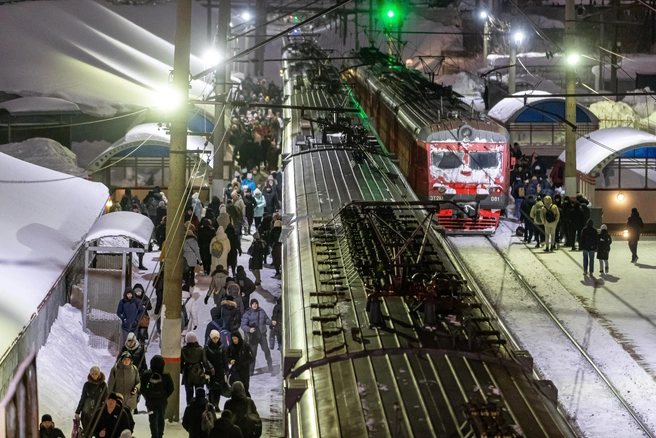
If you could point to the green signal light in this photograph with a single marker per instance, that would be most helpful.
(390, 14)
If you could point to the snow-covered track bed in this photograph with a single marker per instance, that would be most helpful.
(601, 388)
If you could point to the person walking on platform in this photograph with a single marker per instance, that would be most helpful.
(527, 206)
(550, 215)
(125, 379)
(603, 249)
(258, 252)
(225, 427)
(240, 357)
(94, 392)
(194, 366)
(588, 244)
(634, 225)
(241, 405)
(129, 310)
(254, 323)
(47, 428)
(157, 387)
(537, 222)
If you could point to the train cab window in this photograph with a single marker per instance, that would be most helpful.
(484, 160)
(446, 160)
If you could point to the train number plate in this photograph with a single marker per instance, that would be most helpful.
(495, 198)
(436, 198)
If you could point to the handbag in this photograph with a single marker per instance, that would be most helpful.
(197, 268)
(145, 320)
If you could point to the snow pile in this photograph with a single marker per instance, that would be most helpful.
(46, 153)
(67, 353)
(86, 151)
(613, 114)
(463, 83)
(642, 105)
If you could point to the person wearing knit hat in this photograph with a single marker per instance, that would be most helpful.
(603, 249)
(94, 392)
(125, 378)
(258, 209)
(216, 355)
(194, 365)
(254, 323)
(258, 251)
(111, 421)
(47, 428)
(193, 415)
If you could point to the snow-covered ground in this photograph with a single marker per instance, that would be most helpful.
(64, 362)
(611, 316)
(46, 153)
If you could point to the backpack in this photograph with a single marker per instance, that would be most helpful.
(550, 216)
(155, 387)
(521, 191)
(185, 314)
(217, 248)
(252, 423)
(224, 334)
(208, 419)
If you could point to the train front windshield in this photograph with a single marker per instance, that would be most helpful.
(465, 166)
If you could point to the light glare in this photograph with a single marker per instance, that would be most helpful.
(246, 16)
(519, 37)
(167, 99)
(211, 57)
(483, 15)
(620, 197)
(573, 58)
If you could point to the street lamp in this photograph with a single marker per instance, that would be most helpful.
(484, 16)
(167, 99)
(246, 16)
(518, 37)
(573, 59)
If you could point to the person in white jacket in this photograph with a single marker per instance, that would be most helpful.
(219, 248)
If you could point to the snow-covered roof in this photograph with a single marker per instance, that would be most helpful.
(145, 136)
(544, 108)
(600, 147)
(39, 105)
(122, 224)
(44, 218)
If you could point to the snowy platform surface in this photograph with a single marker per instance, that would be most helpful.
(64, 362)
(612, 316)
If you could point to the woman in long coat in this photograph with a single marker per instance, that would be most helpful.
(220, 248)
(124, 379)
(94, 393)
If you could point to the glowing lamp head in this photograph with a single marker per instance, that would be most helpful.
(518, 37)
(483, 15)
(620, 197)
(167, 99)
(211, 57)
(390, 14)
(246, 16)
(626, 233)
(573, 58)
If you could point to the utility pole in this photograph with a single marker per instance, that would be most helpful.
(221, 78)
(513, 53)
(570, 101)
(600, 76)
(613, 48)
(356, 31)
(486, 29)
(371, 23)
(171, 311)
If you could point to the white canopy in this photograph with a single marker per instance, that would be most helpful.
(39, 105)
(600, 147)
(44, 219)
(506, 108)
(134, 226)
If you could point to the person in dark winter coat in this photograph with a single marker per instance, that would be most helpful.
(634, 225)
(47, 428)
(254, 323)
(240, 357)
(576, 222)
(126, 200)
(527, 206)
(519, 193)
(157, 387)
(225, 427)
(537, 165)
(235, 248)
(246, 285)
(129, 310)
(215, 323)
(588, 244)
(603, 249)
(249, 202)
(258, 251)
(276, 247)
(240, 405)
(193, 414)
(113, 419)
(94, 392)
(271, 199)
(217, 285)
(218, 359)
(124, 378)
(215, 206)
(136, 350)
(142, 329)
(193, 365)
(565, 221)
(276, 325)
(205, 235)
(160, 232)
(158, 284)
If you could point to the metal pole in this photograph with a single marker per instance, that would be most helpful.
(485, 31)
(221, 77)
(570, 101)
(613, 48)
(371, 23)
(260, 22)
(171, 317)
(600, 76)
(513, 67)
(86, 289)
(356, 30)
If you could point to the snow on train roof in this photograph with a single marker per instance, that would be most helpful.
(44, 219)
(596, 149)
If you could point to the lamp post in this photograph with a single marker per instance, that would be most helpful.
(486, 27)
(516, 40)
(570, 100)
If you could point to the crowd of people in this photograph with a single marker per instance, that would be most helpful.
(553, 219)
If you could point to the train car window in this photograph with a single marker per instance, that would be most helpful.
(446, 160)
(484, 160)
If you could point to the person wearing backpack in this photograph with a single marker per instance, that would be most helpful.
(156, 387)
(219, 248)
(550, 217)
(245, 412)
(207, 420)
(192, 419)
(538, 226)
(225, 426)
(603, 249)
(519, 193)
(217, 285)
(193, 366)
(218, 359)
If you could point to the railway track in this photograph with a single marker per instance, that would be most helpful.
(586, 389)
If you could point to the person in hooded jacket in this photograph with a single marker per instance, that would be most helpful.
(136, 350)
(197, 206)
(537, 165)
(205, 235)
(240, 405)
(192, 257)
(160, 233)
(230, 314)
(249, 204)
(142, 330)
(550, 215)
(258, 210)
(240, 357)
(603, 249)
(576, 222)
(124, 378)
(157, 387)
(220, 248)
(254, 323)
(538, 226)
(193, 365)
(218, 359)
(238, 212)
(214, 206)
(634, 224)
(216, 322)
(216, 289)
(193, 414)
(223, 218)
(235, 248)
(246, 286)
(276, 247)
(588, 244)
(276, 325)
(271, 199)
(129, 310)
(258, 251)
(233, 290)
(248, 182)
(225, 426)
(94, 393)
(112, 420)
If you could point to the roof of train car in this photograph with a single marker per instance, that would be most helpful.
(363, 381)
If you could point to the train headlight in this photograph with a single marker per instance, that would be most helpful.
(626, 233)
(495, 190)
(441, 189)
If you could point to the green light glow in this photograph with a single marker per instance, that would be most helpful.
(390, 13)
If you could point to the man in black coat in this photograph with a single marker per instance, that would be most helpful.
(193, 414)
(276, 325)
(240, 404)
(225, 427)
(576, 221)
(47, 428)
(527, 205)
(156, 387)
(240, 357)
(588, 244)
(113, 419)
